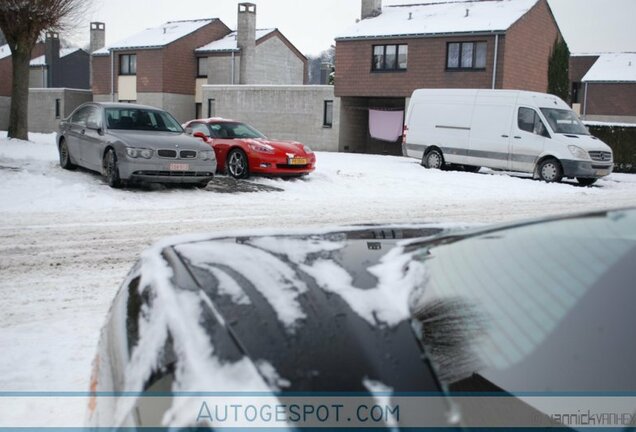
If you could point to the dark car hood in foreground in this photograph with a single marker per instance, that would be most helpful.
(272, 293)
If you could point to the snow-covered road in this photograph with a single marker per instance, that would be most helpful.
(67, 239)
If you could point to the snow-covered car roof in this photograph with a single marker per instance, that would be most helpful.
(441, 18)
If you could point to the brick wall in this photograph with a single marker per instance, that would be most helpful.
(101, 75)
(426, 67)
(6, 70)
(529, 43)
(611, 99)
(180, 65)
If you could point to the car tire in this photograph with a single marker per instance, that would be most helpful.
(111, 170)
(586, 181)
(550, 171)
(236, 165)
(471, 169)
(65, 157)
(433, 160)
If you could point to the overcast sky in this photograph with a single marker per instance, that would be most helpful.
(588, 25)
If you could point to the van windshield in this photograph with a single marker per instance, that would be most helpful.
(564, 121)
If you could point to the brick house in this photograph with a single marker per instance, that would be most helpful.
(391, 51)
(604, 87)
(167, 66)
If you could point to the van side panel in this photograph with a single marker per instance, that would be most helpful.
(490, 134)
(441, 120)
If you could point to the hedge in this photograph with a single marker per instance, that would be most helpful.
(622, 140)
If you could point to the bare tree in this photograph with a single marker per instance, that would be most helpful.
(22, 22)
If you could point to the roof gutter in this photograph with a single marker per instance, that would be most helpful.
(494, 63)
(112, 75)
(422, 35)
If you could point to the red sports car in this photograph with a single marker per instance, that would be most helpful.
(241, 150)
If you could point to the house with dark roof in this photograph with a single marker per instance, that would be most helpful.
(391, 51)
(167, 66)
(58, 81)
(604, 87)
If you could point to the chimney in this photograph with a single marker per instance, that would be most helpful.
(98, 36)
(325, 71)
(246, 41)
(52, 58)
(371, 8)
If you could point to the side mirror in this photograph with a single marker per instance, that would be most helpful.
(200, 135)
(94, 126)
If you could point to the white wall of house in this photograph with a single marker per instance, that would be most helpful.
(42, 106)
(280, 112)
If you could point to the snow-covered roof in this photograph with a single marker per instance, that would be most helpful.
(41, 61)
(5, 51)
(157, 37)
(615, 67)
(228, 43)
(441, 18)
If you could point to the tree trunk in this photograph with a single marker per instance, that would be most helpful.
(18, 117)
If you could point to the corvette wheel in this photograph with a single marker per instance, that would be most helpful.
(237, 164)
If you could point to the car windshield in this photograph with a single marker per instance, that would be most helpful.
(140, 119)
(564, 121)
(537, 308)
(234, 130)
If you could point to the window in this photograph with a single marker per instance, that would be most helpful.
(58, 108)
(466, 55)
(528, 120)
(211, 107)
(390, 57)
(141, 120)
(200, 127)
(80, 116)
(202, 67)
(328, 114)
(128, 64)
(564, 121)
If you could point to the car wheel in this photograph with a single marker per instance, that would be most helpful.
(111, 171)
(65, 157)
(434, 159)
(471, 169)
(586, 181)
(237, 164)
(550, 171)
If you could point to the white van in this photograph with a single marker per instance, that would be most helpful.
(508, 130)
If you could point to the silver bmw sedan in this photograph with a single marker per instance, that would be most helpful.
(128, 143)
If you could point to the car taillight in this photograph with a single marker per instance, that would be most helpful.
(404, 131)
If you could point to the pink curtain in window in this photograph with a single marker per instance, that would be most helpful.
(386, 125)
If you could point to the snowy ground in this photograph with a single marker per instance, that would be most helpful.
(67, 240)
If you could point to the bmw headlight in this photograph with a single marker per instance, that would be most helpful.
(207, 155)
(307, 150)
(135, 152)
(578, 152)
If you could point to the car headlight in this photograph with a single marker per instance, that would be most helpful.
(261, 148)
(578, 152)
(207, 155)
(135, 153)
(307, 150)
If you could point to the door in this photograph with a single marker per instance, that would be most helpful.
(91, 142)
(74, 134)
(490, 136)
(528, 141)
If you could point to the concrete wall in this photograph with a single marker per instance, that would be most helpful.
(5, 107)
(37, 77)
(42, 107)
(180, 106)
(275, 63)
(280, 112)
(220, 69)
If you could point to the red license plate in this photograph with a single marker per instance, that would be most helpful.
(179, 167)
